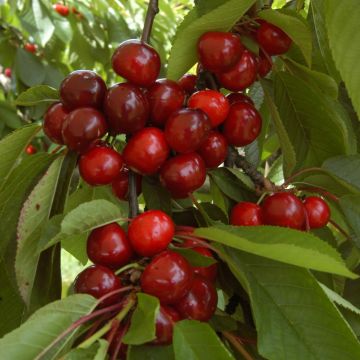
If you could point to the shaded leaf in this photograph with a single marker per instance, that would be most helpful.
(155, 195)
(37, 94)
(150, 352)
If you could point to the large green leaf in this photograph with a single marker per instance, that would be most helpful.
(37, 94)
(282, 244)
(150, 352)
(9, 115)
(97, 351)
(350, 205)
(155, 195)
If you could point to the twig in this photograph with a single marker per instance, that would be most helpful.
(153, 9)
(133, 201)
(234, 341)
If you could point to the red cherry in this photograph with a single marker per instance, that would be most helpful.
(246, 214)
(100, 165)
(31, 48)
(200, 302)
(164, 324)
(98, 280)
(53, 121)
(188, 83)
(214, 149)
(243, 124)
(213, 103)
(8, 72)
(239, 97)
(183, 174)
(126, 108)
(168, 277)
(283, 209)
(318, 212)
(31, 150)
(82, 88)
(146, 151)
(120, 186)
(241, 75)
(137, 62)
(151, 232)
(109, 246)
(219, 51)
(272, 39)
(61, 9)
(81, 127)
(186, 129)
(264, 64)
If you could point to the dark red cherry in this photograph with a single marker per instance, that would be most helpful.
(186, 129)
(82, 126)
(168, 277)
(164, 97)
(53, 122)
(82, 88)
(241, 75)
(318, 212)
(219, 51)
(213, 103)
(214, 149)
(100, 165)
(283, 209)
(98, 280)
(146, 151)
(264, 64)
(164, 325)
(126, 108)
(239, 97)
(188, 83)
(30, 47)
(137, 62)
(246, 214)
(8, 72)
(243, 124)
(108, 245)
(272, 39)
(31, 150)
(200, 302)
(61, 9)
(151, 232)
(120, 186)
(183, 174)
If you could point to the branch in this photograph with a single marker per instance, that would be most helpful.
(233, 340)
(153, 9)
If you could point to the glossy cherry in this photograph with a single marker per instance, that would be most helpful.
(120, 186)
(31, 150)
(200, 302)
(108, 245)
(98, 280)
(188, 83)
(100, 165)
(53, 121)
(126, 108)
(168, 277)
(164, 97)
(82, 88)
(61, 9)
(8, 72)
(146, 151)
(219, 51)
(30, 47)
(246, 214)
(283, 209)
(164, 325)
(214, 149)
(272, 39)
(151, 232)
(239, 97)
(81, 127)
(264, 64)
(183, 174)
(213, 103)
(318, 212)
(137, 62)
(241, 75)
(186, 129)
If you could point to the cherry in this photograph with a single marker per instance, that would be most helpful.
(272, 39)
(53, 122)
(98, 280)
(164, 325)
(8, 72)
(246, 214)
(188, 83)
(151, 232)
(283, 209)
(100, 165)
(241, 75)
(126, 108)
(200, 302)
(214, 149)
(318, 212)
(61, 9)
(186, 129)
(243, 124)
(264, 64)
(165, 96)
(213, 103)
(120, 186)
(109, 246)
(31, 150)
(183, 174)
(239, 97)
(146, 151)
(219, 51)
(82, 88)
(137, 62)
(168, 277)
(82, 126)
(30, 47)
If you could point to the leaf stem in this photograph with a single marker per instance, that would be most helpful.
(300, 172)
(129, 266)
(339, 228)
(234, 341)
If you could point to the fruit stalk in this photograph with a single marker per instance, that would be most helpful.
(233, 340)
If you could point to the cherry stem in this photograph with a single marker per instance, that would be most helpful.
(339, 228)
(237, 344)
(289, 180)
(118, 345)
(197, 241)
(114, 327)
(133, 201)
(152, 10)
(56, 149)
(129, 266)
(319, 191)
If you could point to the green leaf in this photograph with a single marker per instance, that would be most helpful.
(96, 351)
(36, 95)
(183, 54)
(155, 195)
(282, 244)
(350, 205)
(193, 257)
(150, 352)
(193, 340)
(9, 115)
(142, 327)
